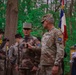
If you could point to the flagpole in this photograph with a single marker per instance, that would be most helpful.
(62, 26)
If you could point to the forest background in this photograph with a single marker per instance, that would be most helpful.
(13, 13)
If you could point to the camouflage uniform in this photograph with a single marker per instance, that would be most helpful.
(52, 51)
(29, 57)
(13, 56)
(3, 60)
(1, 63)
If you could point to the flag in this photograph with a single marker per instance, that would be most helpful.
(62, 24)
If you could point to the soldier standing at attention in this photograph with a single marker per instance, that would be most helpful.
(52, 49)
(14, 54)
(28, 64)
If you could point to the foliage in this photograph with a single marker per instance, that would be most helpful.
(2, 14)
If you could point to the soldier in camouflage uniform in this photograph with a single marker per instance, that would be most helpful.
(52, 49)
(3, 53)
(28, 64)
(14, 52)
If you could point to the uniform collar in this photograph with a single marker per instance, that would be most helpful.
(27, 37)
(51, 29)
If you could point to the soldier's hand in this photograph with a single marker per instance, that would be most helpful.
(30, 46)
(34, 68)
(2, 55)
(55, 70)
(17, 68)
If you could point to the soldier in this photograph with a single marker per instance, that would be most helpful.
(1, 35)
(28, 65)
(52, 49)
(14, 52)
(3, 53)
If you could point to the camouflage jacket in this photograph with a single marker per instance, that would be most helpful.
(32, 53)
(4, 52)
(20, 52)
(52, 50)
(14, 50)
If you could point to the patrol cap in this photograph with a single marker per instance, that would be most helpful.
(48, 17)
(27, 25)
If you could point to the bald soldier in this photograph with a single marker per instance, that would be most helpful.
(52, 49)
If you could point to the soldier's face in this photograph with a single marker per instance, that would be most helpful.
(17, 39)
(45, 24)
(7, 43)
(1, 35)
(26, 31)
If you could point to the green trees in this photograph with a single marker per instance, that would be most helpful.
(32, 11)
(2, 13)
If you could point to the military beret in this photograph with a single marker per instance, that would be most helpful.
(18, 36)
(27, 25)
(48, 17)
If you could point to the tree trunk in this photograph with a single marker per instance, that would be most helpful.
(11, 20)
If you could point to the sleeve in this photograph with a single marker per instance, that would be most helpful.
(10, 52)
(59, 46)
(37, 45)
(37, 49)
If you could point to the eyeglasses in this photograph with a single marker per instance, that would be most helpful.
(27, 28)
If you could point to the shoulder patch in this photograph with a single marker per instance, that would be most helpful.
(59, 39)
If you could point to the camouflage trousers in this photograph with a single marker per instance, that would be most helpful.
(25, 67)
(1, 67)
(27, 72)
(46, 70)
